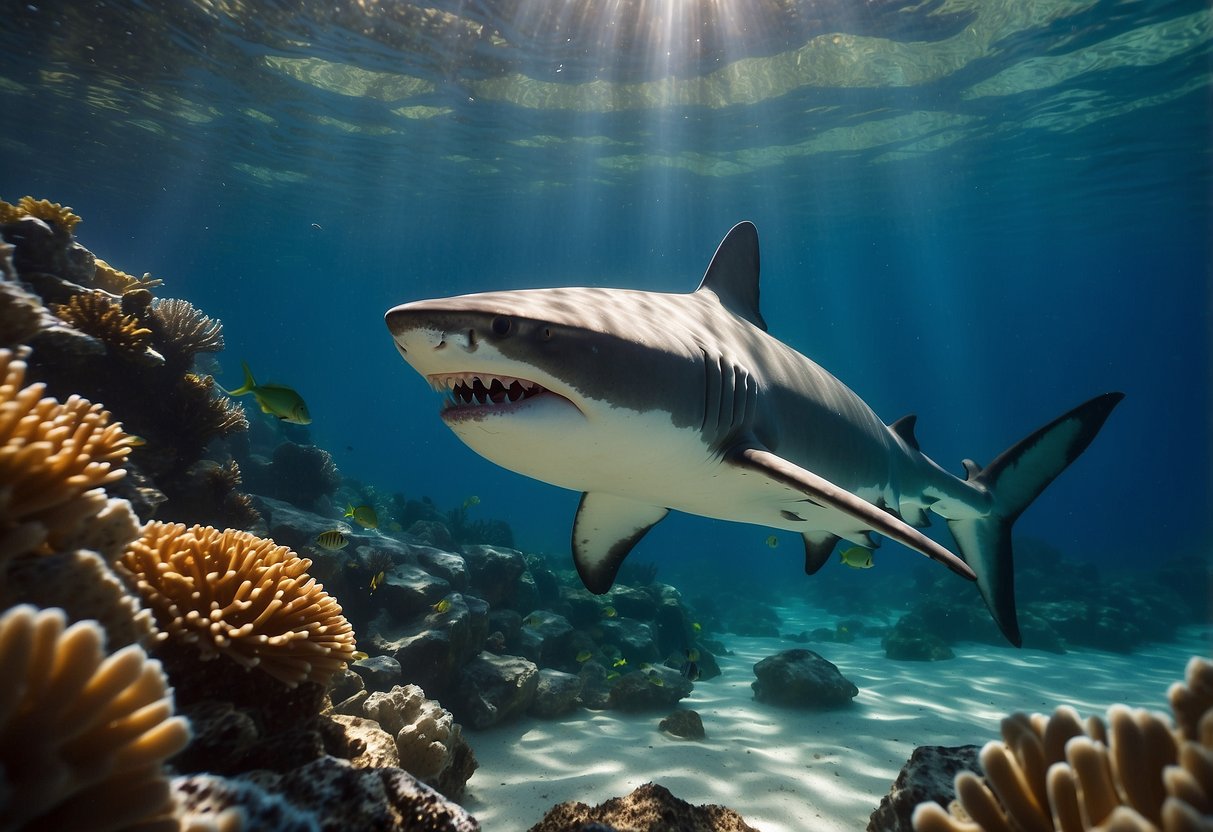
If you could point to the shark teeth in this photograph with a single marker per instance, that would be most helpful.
(482, 390)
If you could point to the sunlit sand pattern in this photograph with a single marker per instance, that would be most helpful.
(783, 768)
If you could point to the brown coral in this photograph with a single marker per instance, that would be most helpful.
(98, 315)
(203, 415)
(1055, 773)
(52, 213)
(186, 330)
(54, 460)
(234, 594)
(82, 736)
(118, 282)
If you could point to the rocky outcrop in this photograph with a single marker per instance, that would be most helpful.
(803, 679)
(651, 808)
(928, 775)
(493, 689)
(556, 694)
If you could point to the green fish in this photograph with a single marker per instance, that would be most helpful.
(619, 663)
(655, 679)
(280, 402)
(772, 541)
(364, 516)
(443, 606)
(584, 656)
(332, 540)
(609, 612)
(857, 557)
(471, 501)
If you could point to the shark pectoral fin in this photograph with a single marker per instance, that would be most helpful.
(826, 493)
(818, 546)
(606, 529)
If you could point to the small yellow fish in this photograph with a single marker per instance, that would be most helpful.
(857, 557)
(584, 656)
(619, 663)
(332, 540)
(531, 620)
(655, 679)
(364, 516)
(133, 441)
(443, 606)
(696, 626)
(692, 655)
(377, 581)
(281, 402)
(471, 501)
(609, 612)
(772, 541)
(358, 655)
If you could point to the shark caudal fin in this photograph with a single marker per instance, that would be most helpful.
(1014, 480)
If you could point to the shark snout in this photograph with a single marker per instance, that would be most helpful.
(416, 332)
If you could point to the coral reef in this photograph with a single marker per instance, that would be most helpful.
(82, 736)
(234, 594)
(55, 460)
(1133, 773)
(185, 330)
(650, 808)
(52, 213)
(96, 314)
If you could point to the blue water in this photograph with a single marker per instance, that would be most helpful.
(985, 243)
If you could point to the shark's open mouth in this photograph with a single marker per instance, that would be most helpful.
(480, 390)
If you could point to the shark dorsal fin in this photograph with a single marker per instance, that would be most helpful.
(904, 427)
(733, 273)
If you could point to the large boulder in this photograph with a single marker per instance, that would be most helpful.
(409, 590)
(803, 679)
(546, 639)
(649, 807)
(431, 650)
(494, 689)
(633, 602)
(494, 572)
(446, 565)
(556, 695)
(633, 638)
(651, 689)
(928, 775)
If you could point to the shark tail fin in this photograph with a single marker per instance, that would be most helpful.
(1014, 480)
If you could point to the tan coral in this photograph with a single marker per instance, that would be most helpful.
(186, 328)
(1057, 773)
(49, 212)
(96, 314)
(234, 594)
(83, 736)
(54, 461)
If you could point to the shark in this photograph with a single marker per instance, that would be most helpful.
(651, 402)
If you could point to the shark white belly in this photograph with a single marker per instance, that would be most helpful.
(647, 402)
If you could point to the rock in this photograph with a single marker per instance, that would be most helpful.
(366, 744)
(595, 689)
(432, 533)
(582, 609)
(344, 797)
(546, 639)
(450, 567)
(686, 724)
(494, 572)
(632, 602)
(633, 638)
(644, 690)
(910, 640)
(344, 684)
(493, 689)
(201, 798)
(651, 808)
(409, 590)
(303, 475)
(801, 678)
(928, 775)
(428, 741)
(378, 672)
(556, 694)
(222, 737)
(432, 650)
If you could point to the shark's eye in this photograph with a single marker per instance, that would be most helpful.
(501, 325)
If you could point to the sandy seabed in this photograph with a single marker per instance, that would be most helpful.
(787, 770)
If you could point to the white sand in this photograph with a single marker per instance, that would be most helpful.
(786, 770)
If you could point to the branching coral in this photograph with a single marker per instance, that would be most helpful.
(234, 594)
(96, 314)
(52, 213)
(185, 329)
(54, 461)
(82, 736)
(202, 415)
(118, 282)
(1054, 773)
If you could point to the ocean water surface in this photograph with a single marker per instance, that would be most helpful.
(983, 212)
